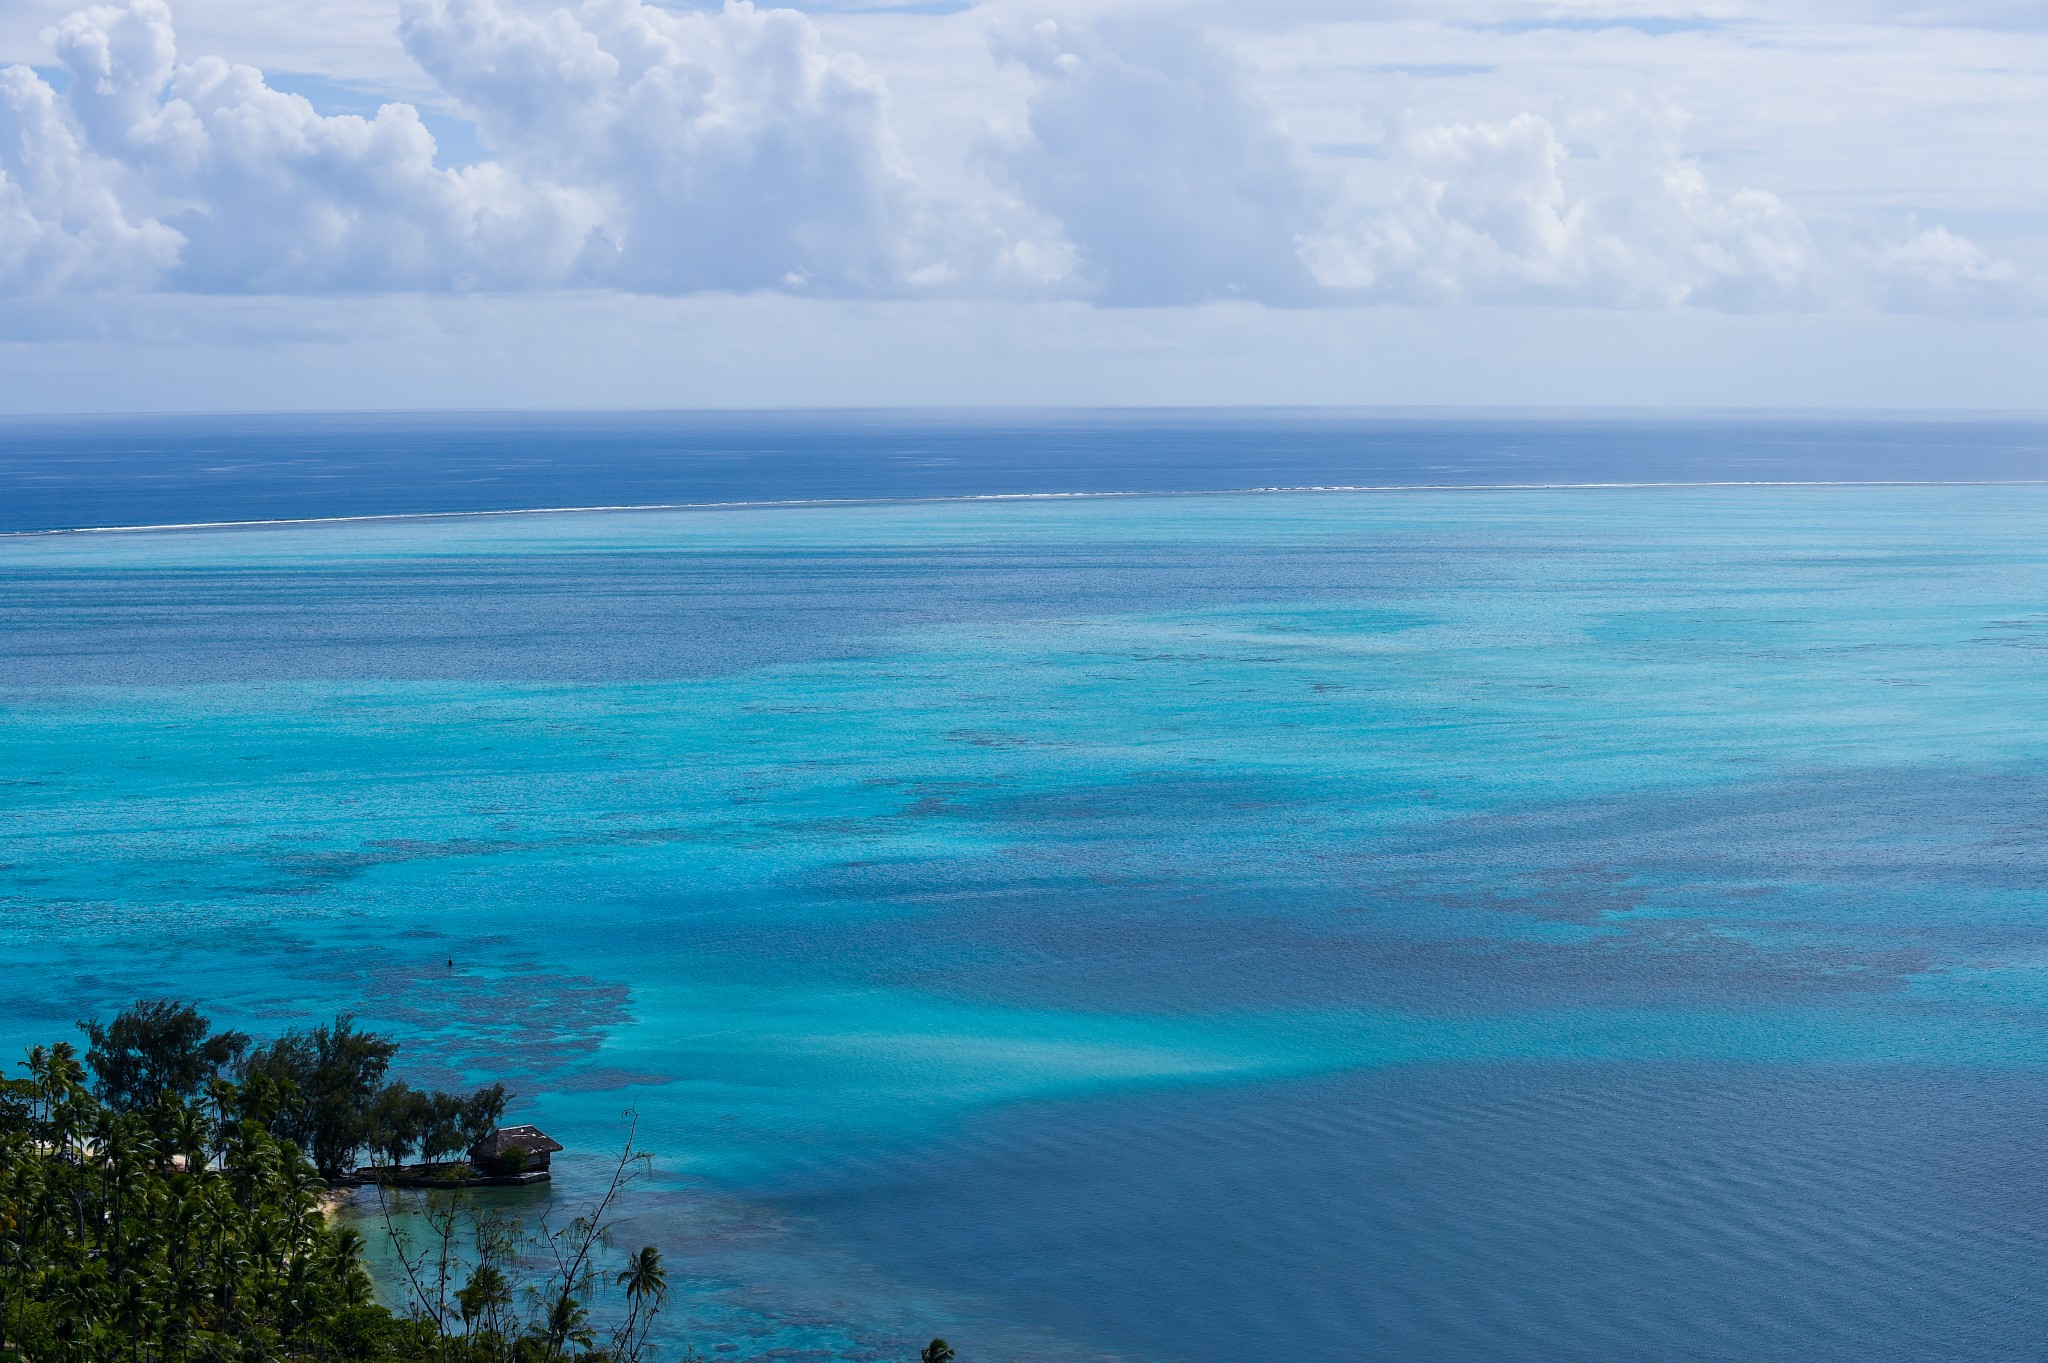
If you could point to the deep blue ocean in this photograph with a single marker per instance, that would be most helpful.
(1473, 922)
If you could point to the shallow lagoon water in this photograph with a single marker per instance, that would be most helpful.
(1426, 925)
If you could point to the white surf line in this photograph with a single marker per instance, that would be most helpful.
(794, 502)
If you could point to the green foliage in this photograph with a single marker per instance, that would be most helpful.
(191, 1230)
(334, 1102)
(402, 1119)
(118, 1242)
(330, 1078)
(645, 1280)
(479, 1113)
(466, 1271)
(158, 1047)
(170, 1214)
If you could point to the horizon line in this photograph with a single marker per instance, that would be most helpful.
(1409, 410)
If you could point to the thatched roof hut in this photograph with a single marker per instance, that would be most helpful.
(513, 1150)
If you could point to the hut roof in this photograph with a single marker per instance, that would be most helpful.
(530, 1139)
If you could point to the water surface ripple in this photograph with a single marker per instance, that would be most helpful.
(1445, 926)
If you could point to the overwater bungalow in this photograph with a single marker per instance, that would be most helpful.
(514, 1152)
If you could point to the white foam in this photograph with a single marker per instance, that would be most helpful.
(795, 502)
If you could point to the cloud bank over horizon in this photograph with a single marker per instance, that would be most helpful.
(743, 150)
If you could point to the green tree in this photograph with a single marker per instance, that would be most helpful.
(156, 1048)
(485, 1299)
(481, 1113)
(645, 1280)
(442, 1117)
(329, 1077)
(395, 1121)
(402, 1119)
(116, 1245)
(192, 1230)
(567, 1325)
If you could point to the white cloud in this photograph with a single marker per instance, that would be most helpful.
(1175, 182)
(62, 225)
(1507, 212)
(637, 149)
(1172, 179)
(726, 150)
(1936, 271)
(1135, 159)
(198, 176)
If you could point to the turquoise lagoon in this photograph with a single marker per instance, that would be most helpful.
(1600, 924)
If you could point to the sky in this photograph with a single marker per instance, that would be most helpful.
(274, 204)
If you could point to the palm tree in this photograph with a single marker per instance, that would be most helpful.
(484, 1298)
(193, 1230)
(646, 1284)
(568, 1323)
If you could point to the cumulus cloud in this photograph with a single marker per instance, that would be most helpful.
(1173, 182)
(1171, 179)
(672, 152)
(637, 149)
(1936, 271)
(1507, 212)
(724, 150)
(62, 225)
(199, 176)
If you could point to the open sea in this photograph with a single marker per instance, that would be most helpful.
(1591, 904)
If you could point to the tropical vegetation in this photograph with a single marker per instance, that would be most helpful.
(165, 1198)
(168, 1197)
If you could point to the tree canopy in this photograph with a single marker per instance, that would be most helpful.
(171, 1209)
(186, 1230)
